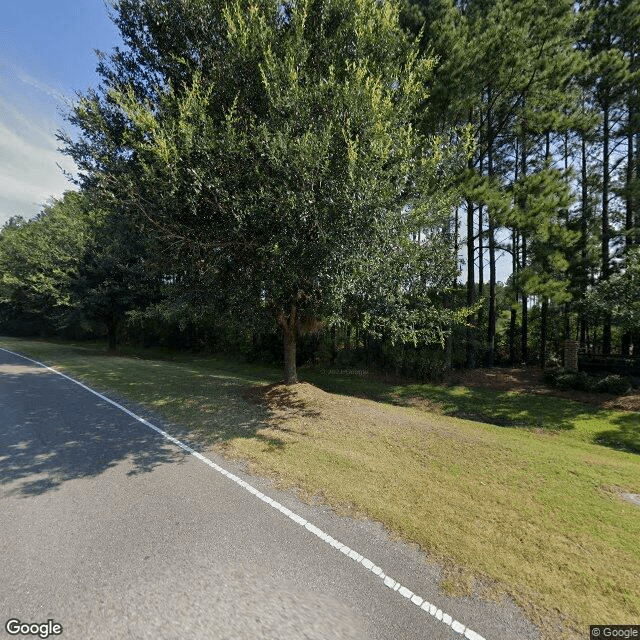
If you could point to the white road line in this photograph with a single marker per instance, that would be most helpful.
(425, 606)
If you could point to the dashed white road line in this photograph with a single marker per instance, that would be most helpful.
(388, 581)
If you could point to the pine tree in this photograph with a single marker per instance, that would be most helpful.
(610, 76)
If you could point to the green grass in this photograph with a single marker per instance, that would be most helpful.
(529, 498)
(586, 423)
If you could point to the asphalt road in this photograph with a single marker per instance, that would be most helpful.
(112, 531)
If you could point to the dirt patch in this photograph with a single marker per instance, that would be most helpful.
(629, 402)
(531, 380)
(634, 498)
(298, 400)
(623, 494)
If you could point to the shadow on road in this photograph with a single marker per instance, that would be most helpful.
(52, 431)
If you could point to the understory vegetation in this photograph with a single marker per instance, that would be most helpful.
(581, 381)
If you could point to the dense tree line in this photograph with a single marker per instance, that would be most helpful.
(433, 184)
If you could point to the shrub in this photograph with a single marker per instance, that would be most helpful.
(582, 381)
(578, 380)
(613, 384)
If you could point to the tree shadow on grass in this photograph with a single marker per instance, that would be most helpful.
(280, 403)
(280, 397)
(626, 437)
(504, 409)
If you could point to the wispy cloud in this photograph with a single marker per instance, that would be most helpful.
(41, 86)
(29, 175)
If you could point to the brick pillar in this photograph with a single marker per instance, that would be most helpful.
(571, 354)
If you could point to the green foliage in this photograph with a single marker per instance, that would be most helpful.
(75, 268)
(283, 159)
(295, 177)
(619, 295)
(114, 274)
(615, 384)
(38, 262)
(582, 381)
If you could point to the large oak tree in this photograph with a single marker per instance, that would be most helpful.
(275, 143)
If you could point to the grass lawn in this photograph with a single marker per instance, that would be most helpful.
(528, 501)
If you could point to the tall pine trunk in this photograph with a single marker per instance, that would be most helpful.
(456, 248)
(544, 319)
(630, 203)
(480, 255)
(524, 334)
(491, 319)
(514, 312)
(566, 324)
(544, 309)
(625, 347)
(605, 267)
(584, 230)
(471, 298)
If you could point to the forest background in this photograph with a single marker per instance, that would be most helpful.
(343, 182)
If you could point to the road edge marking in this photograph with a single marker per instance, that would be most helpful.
(388, 581)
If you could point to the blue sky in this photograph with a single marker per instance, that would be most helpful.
(46, 56)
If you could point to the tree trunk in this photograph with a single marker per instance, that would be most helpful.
(480, 253)
(471, 298)
(629, 196)
(456, 248)
(289, 326)
(491, 319)
(290, 371)
(334, 345)
(584, 228)
(625, 344)
(606, 329)
(636, 200)
(515, 252)
(524, 334)
(566, 309)
(544, 319)
(625, 347)
(514, 312)
(112, 334)
(512, 337)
